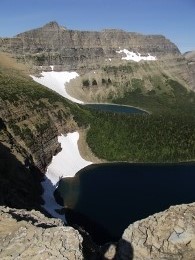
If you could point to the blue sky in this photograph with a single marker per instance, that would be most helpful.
(175, 19)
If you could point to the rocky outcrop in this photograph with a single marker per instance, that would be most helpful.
(71, 49)
(190, 57)
(166, 235)
(169, 235)
(31, 235)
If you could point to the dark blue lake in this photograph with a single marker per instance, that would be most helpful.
(106, 198)
(114, 108)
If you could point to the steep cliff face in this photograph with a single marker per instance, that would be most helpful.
(31, 119)
(71, 49)
(20, 185)
(31, 116)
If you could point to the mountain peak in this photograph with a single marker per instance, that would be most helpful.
(52, 24)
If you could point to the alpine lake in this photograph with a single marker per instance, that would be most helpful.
(105, 198)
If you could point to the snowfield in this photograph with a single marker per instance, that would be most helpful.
(65, 164)
(56, 80)
(130, 55)
(69, 161)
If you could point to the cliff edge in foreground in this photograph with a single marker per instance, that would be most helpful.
(166, 235)
(31, 235)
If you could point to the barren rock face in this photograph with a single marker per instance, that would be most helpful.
(31, 235)
(71, 49)
(166, 235)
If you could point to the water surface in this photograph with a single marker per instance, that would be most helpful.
(108, 197)
(115, 108)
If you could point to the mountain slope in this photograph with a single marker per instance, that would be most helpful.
(190, 57)
(33, 115)
(84, 51)
(152, 85)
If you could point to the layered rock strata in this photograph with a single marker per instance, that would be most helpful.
(72, 49)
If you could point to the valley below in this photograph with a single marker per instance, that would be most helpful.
(100, 136)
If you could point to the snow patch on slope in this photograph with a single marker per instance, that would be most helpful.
(130, 55)
(65, 164)
(56, 81)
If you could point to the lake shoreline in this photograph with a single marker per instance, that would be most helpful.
(118, 105)
(85, 150)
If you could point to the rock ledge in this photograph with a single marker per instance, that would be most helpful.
(166, 235)
(31, 235)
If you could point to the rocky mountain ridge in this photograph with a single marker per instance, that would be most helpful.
(86, 51)
(77, 50)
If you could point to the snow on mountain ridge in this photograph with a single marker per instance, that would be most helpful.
(130, 55)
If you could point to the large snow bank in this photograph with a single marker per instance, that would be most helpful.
(130, 55)
(65, 164)
(56, 81)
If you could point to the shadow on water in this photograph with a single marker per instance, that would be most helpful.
(111, 196)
